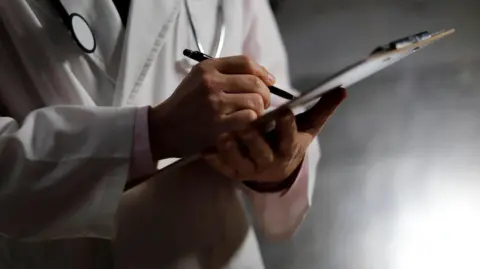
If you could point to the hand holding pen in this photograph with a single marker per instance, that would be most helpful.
(207, 117)
(199, 57)
(218, 96)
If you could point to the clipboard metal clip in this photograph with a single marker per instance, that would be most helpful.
(403, 42)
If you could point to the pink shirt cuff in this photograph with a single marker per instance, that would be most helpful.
(142, 163)
(279, 214)
(301, 182)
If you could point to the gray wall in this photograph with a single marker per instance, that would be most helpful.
(399, 182)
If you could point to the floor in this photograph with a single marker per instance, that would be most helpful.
(399, 182)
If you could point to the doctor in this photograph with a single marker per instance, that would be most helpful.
(77, 124)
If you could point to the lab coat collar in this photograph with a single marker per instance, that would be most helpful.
(149, 22)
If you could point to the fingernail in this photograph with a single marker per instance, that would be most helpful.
(271, 78)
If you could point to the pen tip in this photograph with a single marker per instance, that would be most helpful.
(187, 52)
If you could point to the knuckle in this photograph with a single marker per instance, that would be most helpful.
(250, 115)
(209, 82)
(257, 102)
(217, 118)
(244, 58)
(289, 114)
(267, 158)
(207, 78)
(254, 83)
(260, 88)
(215, 102)
(200, 68)
(290, 118)
(258, 83)
(248, 63)
(249, 104)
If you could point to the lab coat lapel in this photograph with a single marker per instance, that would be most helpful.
(149, 22)
(106, 25)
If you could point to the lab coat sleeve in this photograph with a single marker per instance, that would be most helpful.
(63, 171)
(277, 215)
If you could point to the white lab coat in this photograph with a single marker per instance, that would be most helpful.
(66, 141)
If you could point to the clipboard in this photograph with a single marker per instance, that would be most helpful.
(378, 60)
(381, 58)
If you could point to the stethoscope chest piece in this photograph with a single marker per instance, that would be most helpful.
(82, 33)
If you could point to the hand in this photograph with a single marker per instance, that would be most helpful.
(217, 96)
(248, 156)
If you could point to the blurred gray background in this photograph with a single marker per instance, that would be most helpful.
(399, 180)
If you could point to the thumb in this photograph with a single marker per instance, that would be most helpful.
(313, 119)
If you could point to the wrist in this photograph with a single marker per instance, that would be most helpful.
(277, 186)
(141, 162)
(160, 145)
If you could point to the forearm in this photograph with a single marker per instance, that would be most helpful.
(63, 171)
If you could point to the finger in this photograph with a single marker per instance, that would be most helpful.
(313, 119)
(230, 154)
(286, 129)
(236, 102)
(242, 65)
(214, 161)
(247, 84)
(238, 120)
(259, 151)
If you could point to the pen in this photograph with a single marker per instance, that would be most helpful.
(199, 57)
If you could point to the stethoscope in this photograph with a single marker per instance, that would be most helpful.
(83, 35)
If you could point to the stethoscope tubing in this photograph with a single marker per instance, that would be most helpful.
(220, 31)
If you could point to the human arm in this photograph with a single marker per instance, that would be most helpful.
(74, 187)
(56, 224)
(63, 171)
(69, 218)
